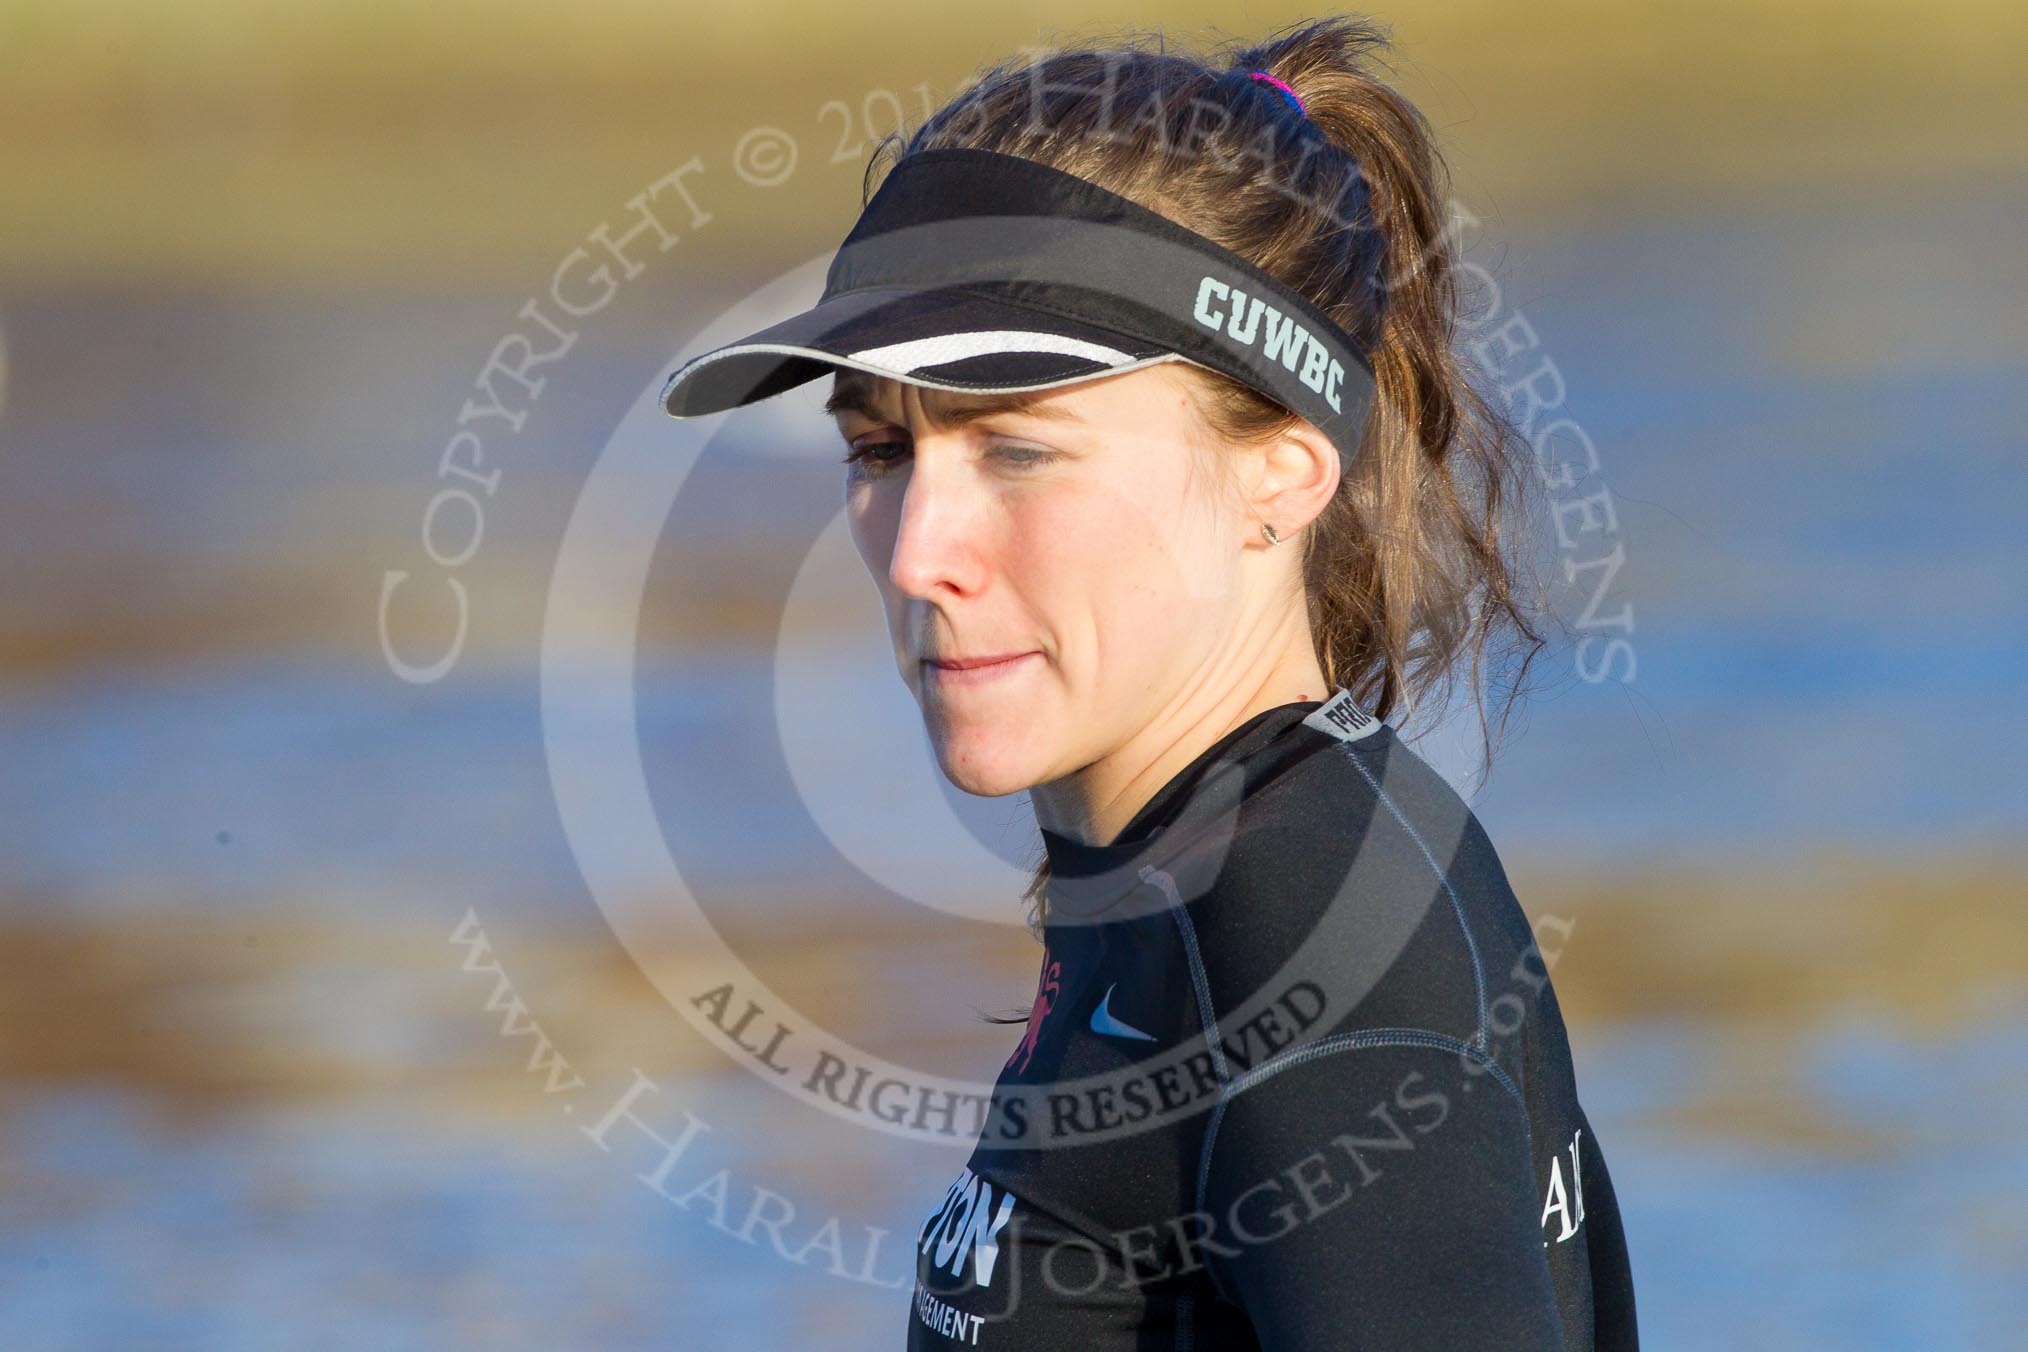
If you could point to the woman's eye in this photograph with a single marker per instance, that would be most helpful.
(868, 455)
(878, 457)
(1024, 455)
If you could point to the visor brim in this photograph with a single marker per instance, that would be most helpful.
(960, 340)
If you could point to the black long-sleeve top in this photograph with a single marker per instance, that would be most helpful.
(1295, 1077)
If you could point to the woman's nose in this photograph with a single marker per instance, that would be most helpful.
(936, 539)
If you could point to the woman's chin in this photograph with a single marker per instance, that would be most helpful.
(986, 766)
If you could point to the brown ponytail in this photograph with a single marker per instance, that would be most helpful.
(1407, 570)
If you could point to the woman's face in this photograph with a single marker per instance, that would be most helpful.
(1079, 540)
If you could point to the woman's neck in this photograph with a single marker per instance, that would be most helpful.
(1094, 804)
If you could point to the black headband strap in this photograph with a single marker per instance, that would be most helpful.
(1057, 243)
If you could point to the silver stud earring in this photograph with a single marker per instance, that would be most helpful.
(1269, 531)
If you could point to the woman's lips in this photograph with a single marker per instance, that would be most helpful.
(975, 670)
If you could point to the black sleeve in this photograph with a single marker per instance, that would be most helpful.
(1367, 1198)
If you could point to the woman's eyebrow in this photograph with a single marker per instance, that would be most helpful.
(858, 400)
(848, 399)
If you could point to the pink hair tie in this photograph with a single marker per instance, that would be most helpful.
(1287, 92)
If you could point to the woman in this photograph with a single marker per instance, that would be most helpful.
(1174, 490)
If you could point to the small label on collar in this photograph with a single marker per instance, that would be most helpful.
(1343, 718)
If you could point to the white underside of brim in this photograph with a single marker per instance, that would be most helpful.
(950, 347)
(833, 359)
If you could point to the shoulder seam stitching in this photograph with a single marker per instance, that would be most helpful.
(1324, 1046)
(1199, 980)
(1444, 878)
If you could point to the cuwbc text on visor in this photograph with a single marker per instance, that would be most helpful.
(1280, 337)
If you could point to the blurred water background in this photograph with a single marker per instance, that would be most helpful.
(251, 262)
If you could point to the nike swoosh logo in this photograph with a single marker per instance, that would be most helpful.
(1102, 1020)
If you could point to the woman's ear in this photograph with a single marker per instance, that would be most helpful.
(1293, 478)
